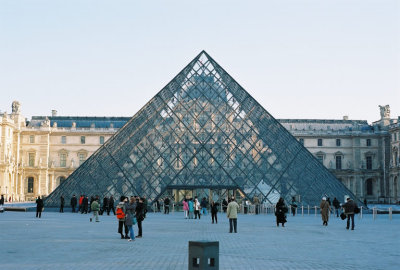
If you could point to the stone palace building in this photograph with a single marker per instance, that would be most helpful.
(36, 155)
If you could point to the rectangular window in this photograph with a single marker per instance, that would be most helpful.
(320, 158)
(63, 160)
(32, 139)
(101, 139)
(30, 184)
(338, 142)
(31, 159)
(368, 142)
(319, 142)
(63, 139)
(395, 136)
(81, 158)
(301, 140)
(369, 162)
(83, 139)
(338, 162)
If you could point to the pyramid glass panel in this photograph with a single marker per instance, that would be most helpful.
(203, 131)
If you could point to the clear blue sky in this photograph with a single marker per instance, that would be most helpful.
(300, 59)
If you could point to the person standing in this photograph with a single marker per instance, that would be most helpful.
(280, 212)
(293, 206)
(111, 206)
(204, 205)
(336, 205)
(62, 202)
(39, 207)
(349, 207)
(105, 205)
(95, 206)
(196, 208)
(325, 209)
(185, 208)
(80, 203)
(140, 216)
(214, 211)
(224, 205)
(84, 207)
(121, 216)
(2, 200)
(166, 205)
(231, 213)
(130, 216)
(158, 205)
(74, 202)
(256, 201)
(191, 208)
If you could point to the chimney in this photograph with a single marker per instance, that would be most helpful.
(346, 117)
(53, 113)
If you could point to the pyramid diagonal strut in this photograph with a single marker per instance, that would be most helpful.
(203, 130)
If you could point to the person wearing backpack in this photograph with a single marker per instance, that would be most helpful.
(120, 213)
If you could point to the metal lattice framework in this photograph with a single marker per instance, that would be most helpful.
(203, 130)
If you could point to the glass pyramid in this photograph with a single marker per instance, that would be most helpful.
(203, 130)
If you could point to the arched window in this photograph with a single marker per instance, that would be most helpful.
(30, 184)
(370, 187)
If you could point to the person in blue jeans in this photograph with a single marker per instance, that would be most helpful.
(203, 205)
(130, 209)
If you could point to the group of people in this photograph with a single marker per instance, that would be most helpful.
(349, 209)
(194, 207)
(84, 204)
(130, 211)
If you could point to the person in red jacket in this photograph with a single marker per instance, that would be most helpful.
(80, 203)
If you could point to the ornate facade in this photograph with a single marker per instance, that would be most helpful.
(37, 155)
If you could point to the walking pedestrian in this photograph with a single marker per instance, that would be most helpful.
(185, 208)
(231, 213)
(95, 207)
(349, 208)
(39, 207)
(325, 209)
(74, 202)
(121, 216)
(131, 217)
(336, 205)
(111, 206)
(214, 211)
(62, 202)
(280, 212)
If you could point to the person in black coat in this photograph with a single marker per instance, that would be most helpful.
(62, 202)
(224, 205)
(105, 206)
(2, 200)
(280, 212)
(74, 202)
(140, 216)
(336, 205)
(214, 211)
(166, 205)
(39, 207)
(111, 206)
(85, 203)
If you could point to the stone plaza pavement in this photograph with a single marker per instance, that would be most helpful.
(70, 241)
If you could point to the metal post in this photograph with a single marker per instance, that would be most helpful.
(315, 208)
(173, 207)
(361, 212)
(390, 213)
(302, 210)
(308, 209)
(374, 213)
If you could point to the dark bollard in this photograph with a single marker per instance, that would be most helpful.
(203, 255)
